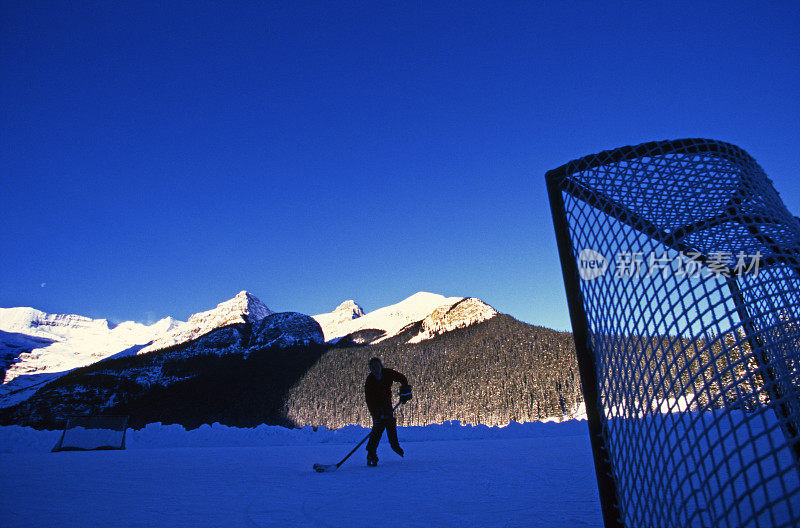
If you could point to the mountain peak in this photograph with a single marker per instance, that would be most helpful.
(425, 300)
(350, 306)
(465, 312)
(389, 320)
(341, 315)
(244, 307)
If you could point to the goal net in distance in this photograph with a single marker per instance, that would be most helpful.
(682, 270)
(85, 433)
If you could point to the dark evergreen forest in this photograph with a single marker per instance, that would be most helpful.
(490, 373)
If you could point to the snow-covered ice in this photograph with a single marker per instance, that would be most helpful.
(538, 474)
(532, 474)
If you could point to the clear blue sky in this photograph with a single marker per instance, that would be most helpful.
(158, 157)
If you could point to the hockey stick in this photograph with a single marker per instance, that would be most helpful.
(322, 468)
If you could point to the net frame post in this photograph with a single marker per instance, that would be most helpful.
(124, 431)
(772, 382)
(57, 447)
(606, 484)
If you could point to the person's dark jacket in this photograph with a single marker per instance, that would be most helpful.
(379, 391)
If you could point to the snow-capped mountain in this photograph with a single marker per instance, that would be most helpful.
(283, 329)
(36, 346)
(389, 320)
(277, 370)
(344, 313)
(446, 318)
(243, 308)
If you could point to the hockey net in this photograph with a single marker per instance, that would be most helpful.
(682, 271)
(86, 433)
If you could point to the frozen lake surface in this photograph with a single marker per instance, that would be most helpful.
(538, 475)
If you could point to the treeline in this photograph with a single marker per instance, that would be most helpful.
(164, 387)
(646, 374)
(491, 373)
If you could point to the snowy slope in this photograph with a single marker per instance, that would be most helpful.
(36, 346)
(18, 439)
(389, 319)
(342, 314)
(243, 308)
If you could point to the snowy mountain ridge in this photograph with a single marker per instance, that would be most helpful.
(36, 346)
(390, 319)
(281, 329)
(243, 308)
(32, 321)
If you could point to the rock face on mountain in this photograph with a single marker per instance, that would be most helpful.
(461, 314)
(283, 330)
(243, 308)
(220, 341)
(286, 329)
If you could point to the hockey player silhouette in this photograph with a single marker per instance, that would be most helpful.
(378, 392)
